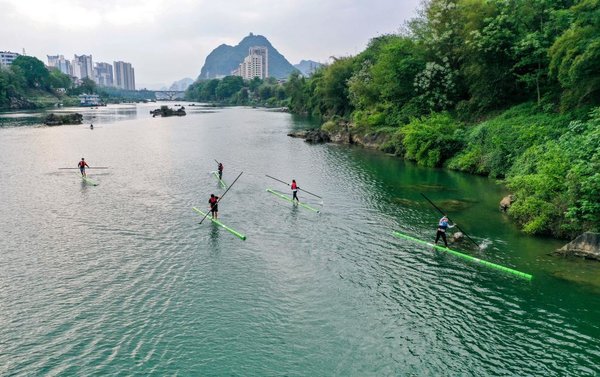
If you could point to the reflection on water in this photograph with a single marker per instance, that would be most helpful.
(95, 115)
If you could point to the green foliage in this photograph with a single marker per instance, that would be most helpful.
(234, 90)
(575, 56)
(228, 86)
(11, 85)
(493, 146)
(87, 87)
(557, 183)
(431, 140)
(332, 88)
(33, 70)
(394, 144)
(57, 80)
(28, 84)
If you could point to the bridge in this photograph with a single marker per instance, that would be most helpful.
(168, 94)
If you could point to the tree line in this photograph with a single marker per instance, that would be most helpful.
(234, 90)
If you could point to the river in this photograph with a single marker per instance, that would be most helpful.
(121, 279)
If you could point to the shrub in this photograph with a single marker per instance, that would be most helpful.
(432, 140)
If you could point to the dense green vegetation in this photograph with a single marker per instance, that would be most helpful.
(233, 90)
(27, 83)
(27, 79)
(504, 88)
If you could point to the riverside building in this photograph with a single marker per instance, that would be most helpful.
(83, 67)
(59, 62)
(124, 77)
(103, 74)
(7, 57)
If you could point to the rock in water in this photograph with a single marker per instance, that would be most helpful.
(586, 245)
(506, 202)
(317, 137)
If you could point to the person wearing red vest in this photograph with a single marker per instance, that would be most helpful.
(82, 165)
(214, 206)
(295, 189)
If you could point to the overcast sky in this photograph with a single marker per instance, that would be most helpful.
(168, 40)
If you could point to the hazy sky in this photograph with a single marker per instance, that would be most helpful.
(169, 40)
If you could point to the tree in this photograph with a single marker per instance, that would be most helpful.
(228, 86)
(33, 70)
(57, 79)
(575, 56)
(332, 88)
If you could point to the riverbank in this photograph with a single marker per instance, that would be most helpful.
(36, 100)
(548, 161)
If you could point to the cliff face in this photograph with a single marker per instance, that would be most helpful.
(224, 59)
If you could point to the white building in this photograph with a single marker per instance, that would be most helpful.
(124, 77)
(62, 64)
(256, 64)
(103, 74)
(83, 67)
(7, 57)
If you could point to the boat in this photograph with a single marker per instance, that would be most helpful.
(88, 181)
(235, 233)
(219, 179)
(464, 256)
(291, 200)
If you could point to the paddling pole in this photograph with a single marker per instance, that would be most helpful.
(444, 214)
(285, 183)
(221, 197)
(92, 167)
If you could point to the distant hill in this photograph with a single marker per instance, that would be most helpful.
(224, 59)
(182, 84)
(307, 67)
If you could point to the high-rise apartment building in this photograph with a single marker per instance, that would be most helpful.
(124, 77)
(7, 57)
(62, 64)
(256, 64)
(83, 67)
(103, 74)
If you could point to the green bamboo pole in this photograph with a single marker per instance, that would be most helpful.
(467, 257)
(88, 180)
(220, 180)
(235, 233)
(291, 200)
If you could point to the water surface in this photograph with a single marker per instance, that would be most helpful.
(121, 278)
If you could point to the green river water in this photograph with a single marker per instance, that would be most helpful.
(120, 279)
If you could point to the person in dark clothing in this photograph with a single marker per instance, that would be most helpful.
(214, 206)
